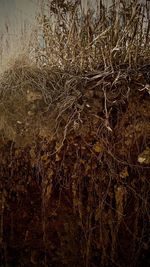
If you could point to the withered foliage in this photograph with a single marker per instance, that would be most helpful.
(75, 143)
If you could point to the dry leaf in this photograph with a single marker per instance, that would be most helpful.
(98, 147)
(124, 173)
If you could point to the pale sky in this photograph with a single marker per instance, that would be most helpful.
(15, 11)
(13, 15)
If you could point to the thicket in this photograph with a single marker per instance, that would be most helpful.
(74, 125)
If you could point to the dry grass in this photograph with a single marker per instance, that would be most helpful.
(78, 93)
(103, 38)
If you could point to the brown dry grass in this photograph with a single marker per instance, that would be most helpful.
(102, 38)
(82, 102)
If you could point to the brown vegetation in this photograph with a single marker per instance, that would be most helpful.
(75, 141)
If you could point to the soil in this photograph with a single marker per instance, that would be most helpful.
(87, 204)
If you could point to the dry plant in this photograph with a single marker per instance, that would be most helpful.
(78, 101)
(102, 38)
